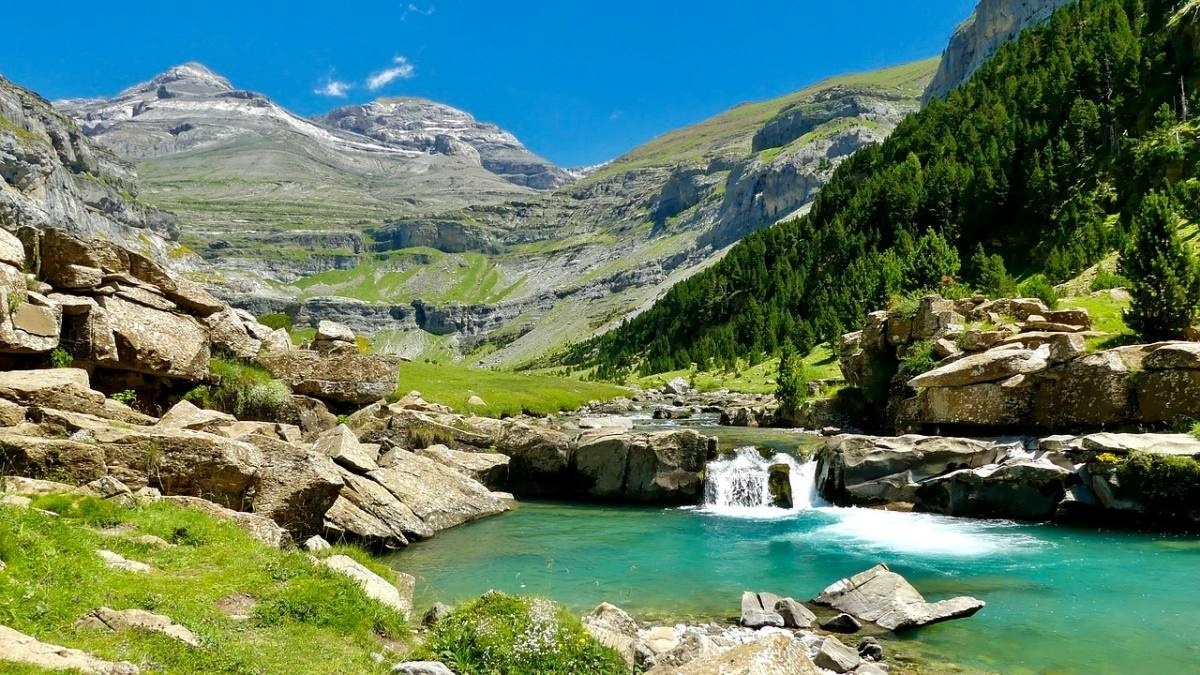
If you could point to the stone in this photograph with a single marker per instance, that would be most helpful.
(277, 341)
(78, 278)
(794, 614)
(1173, 356)
(422, 668)
(1025, 489)
(260, 527)
(41, 457)
(779, 484)
(660, 639)
(61, 388)
(341, 378)
(988, 404)
(1168, 395)
(842, 623)
(21, 485)
(316, 543)
(606, 422)
(367, 511)
(308, 415)
(888, 600)
(614, 628)
(33, 326)
(773, 654)
(677, 387)
(989, 366)
(975, 340)
(119, 562)
(374, 586)
(1093, 390)
(228, 333)
(295, 487)
(16, 647)
(1063, 346)
(488, 468)
(11, 414)
(186, 415)
(331, 331)
(758, 610)
(154, 342)
(1120, 444)
(342, 446)
(475, 402)
(435, 614)
(835, 656)
(946, 348)
(109, 488)
(935, 318)
(12, 251)
(870, 649)
(660, 468)
(1071, 316)
(440, 496)
(105, 618)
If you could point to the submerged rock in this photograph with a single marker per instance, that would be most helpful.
(842, 623)
(885, 598)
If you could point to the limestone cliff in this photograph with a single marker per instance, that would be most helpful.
(993, 23)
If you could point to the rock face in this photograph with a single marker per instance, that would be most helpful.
(654, 468)
(424, 126)
(885, 598)
(341, 378)
(993, 23)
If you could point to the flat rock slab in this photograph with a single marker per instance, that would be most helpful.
(138, 619)
(376, 587)
(1157, 444)
(888, 600)
(774, 654)
(422, 668)
(16, 647)
(989, 366)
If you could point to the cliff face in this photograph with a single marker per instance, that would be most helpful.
(993, 23)
(52, 176)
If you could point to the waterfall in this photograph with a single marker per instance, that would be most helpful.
(739, 484)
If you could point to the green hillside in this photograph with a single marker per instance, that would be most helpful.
(1042, 158)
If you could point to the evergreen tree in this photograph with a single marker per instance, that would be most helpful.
(1164, 281)
(791, 384)
(991, 277)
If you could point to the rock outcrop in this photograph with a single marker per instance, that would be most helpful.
(16, 647)
(886, 599)
(993, 23)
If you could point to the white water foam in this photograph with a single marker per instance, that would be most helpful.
(738, 486)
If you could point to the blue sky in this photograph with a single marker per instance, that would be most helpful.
(578, 82)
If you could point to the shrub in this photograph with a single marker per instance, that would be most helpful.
(128, 397)
(921, 359)
(1108, 279)
(501, 633)
(1038, 286)
(241, 389)
(1166, 485)
(61, 358)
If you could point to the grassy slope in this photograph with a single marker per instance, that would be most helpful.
(737, 127)
(820, 364)
(307, 619)
(504, 393)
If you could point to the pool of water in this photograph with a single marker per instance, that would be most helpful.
(790, 441)
(1059, 600)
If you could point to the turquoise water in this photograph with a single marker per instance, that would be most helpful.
(1059, 600)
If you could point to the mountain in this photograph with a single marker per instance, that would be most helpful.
(993, 23)
(428, 127)
(52, 175)
(1041, 158)
(267, 187)
(410, 220)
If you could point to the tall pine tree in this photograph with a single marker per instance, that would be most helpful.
(1164, 281)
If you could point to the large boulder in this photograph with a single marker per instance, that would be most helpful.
(887, 599)
(773, 654)
(37, 457)
(539, 456)
(758, 610)
(989, 404)
(1026, 489)
(367, 511)
(652, 467)
(229, 334)
(991, 366)
(1168, 395)
(488, 468)
(342, 446)
(61, 388)
(440, 496)
(29, 322)
(155, 342)
(1173, 356)
(295, 487)
(340, 378)
(857, 469)
(1093, 390)
(615, 629)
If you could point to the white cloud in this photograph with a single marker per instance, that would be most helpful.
(616, 115)
(334, 88)
(412, 8)
(401, 69)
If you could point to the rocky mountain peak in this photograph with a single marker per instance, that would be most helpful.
(421, 125)
(190, 78)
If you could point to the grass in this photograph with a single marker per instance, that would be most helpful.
(400, 276)
(819, 364)
(244, 390)
(501, 633)
(306, 618)
(504, 393)
(1108, 316)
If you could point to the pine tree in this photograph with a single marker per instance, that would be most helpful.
(1164, 282)
(791, 385)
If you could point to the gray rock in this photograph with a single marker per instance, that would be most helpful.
(773, 654)
(316, 543)
(842, 623)
(342, 446)
(888, 600)
(989, 366)
(794, 614)
(374, 586)
(614, 628)
(24, 649)
(435, 614)
(105, 618)
(422, 668)
(835, 656)
(870, 649)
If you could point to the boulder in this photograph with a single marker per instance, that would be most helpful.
(1025, 489)
(989, 404)
(488, 468)
(440, 496)
(1174, 355)
(842, 623)
(155, 342)
(374, 586)
(1168, 395)
(341, 378)
(51, 457)
(29, 323)
(779, 484)
(307, 414)
(606, 422)
(61, 388)
(835, 656)
(229, 335)
(331, 331)
(989, 366)
(795, 615)
(342, 446)
(1063, 346)
(869, 649)
(16, 647)
(1093, 390)
(615, 629)
(539, 456)
(1184, 445)
(663, 467)
(295, 486)
(119, 562)
(316, 543)
(868, 469)
(367, 511)
(935, 318)
(677, 387)
(773, 654)
(422, 668)
(888, 600)
(436, 613)
(187, 415)
(116, 621)
(758, 610)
